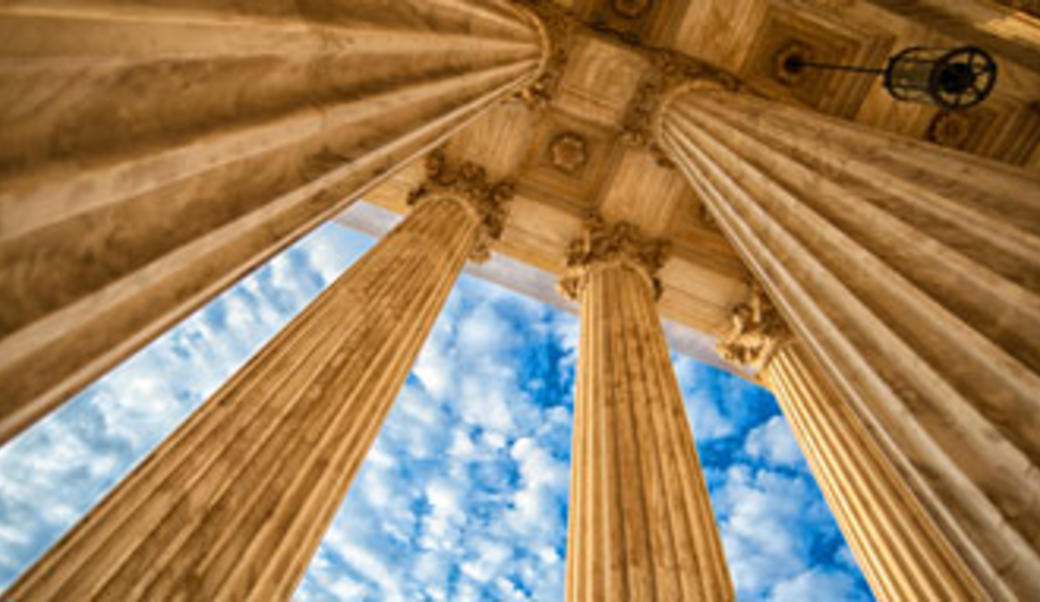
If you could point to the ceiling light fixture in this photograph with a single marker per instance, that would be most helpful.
(953, 79)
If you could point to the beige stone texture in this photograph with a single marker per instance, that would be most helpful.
(233, 505)
(912, 274)
(902, 553)
(153, 153)
(641, 527)
(1011, 27)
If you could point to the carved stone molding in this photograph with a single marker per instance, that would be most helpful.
(669, 70)
(605, 244)
(569, 152)
(558, 26)
(949, 128)
(756, 333)
(668, 67)
(468, 183)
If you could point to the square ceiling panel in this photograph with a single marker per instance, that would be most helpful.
(826, 39)
(600, 79)
(569, 160)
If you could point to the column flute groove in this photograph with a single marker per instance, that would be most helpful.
(191, 144)
(910, 273)
(901, 551)
(641, 525)
(233, 505)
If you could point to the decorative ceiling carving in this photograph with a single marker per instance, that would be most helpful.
(996, 129)
(824, 37)
(608, 74)
(569, 152)
(950, 128)
(667, 65)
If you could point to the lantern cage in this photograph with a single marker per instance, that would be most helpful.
(951, 79)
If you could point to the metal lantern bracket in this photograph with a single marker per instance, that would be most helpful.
(953, 79)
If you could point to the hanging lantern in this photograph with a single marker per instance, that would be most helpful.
(951, 79)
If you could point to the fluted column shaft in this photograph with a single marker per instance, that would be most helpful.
(912, 273)
(898, 547)
(153, 153)
(233, 505)
(641, 523)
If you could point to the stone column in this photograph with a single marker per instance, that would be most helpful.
(233, 505)
(153, 153)
(912, 274)
(641, 524)
(902, 553)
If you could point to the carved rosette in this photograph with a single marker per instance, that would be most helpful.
(949, 128)
(605, 245)
(569, 152)
(757, 332)
(468, 184)
(669, 70)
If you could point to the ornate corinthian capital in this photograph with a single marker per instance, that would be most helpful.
(757, 332)
(603, 245)
(467, 183)
(669, 70)
(556, 25)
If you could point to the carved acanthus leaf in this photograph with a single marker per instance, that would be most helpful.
(559, 25)
(618, 242)
(668, 70)
(757, 331)
(468, 182)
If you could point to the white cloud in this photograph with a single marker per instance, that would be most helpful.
(817, 585)
(463, 495)
(773, 442)
(52, 473)
(706, 420)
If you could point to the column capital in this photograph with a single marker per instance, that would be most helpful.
(668, 68)
(757, 331)
(467, 184)
(651, 122)
(669, 74)
(555, 25)
(605, 244)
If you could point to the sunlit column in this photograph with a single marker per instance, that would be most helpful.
(233, 505)
(912, 274)
(641, 523)
(152, 153)
(900, 550)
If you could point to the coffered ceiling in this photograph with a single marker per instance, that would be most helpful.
(576, 153)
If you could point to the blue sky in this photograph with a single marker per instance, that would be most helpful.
(464, 493)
